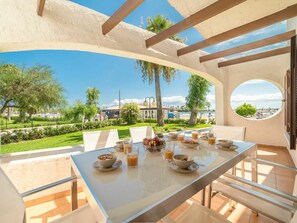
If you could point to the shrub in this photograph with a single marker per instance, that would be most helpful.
(130, 113)
(34, 133)
(245, 110)
(201, 121)
(212, 121)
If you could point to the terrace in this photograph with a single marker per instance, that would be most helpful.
(65, 25)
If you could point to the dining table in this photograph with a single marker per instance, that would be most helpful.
(153, 188)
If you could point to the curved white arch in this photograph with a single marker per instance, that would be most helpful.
(68, 26)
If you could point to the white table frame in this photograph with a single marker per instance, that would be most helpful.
(165, 206)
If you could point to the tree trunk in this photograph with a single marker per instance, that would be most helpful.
(22, 115)
(193, 116)
(160, 120)
(5, 105)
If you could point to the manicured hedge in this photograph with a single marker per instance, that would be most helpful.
(176, 121)
(38, 133)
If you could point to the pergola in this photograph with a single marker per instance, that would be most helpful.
(65, 25)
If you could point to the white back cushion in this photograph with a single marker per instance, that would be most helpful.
(229, 132)
(139, 133)
(100, 139)
(12, 207)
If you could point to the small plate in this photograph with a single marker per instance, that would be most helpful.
(205, 138)
(231, 148)
(192, 168)
(190, 146)
(116, 165)
(118, 148)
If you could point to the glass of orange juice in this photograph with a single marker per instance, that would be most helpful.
(211, 139)
(132, 156)
(181, 137)
(127, 146)
(194, 135)
(168, 151)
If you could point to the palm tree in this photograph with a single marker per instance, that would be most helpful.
(151, 71)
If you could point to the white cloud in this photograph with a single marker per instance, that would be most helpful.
(258, 50)
(211, 98)
(167, 101)
(262, 97)
(174, 100)
(264, 32)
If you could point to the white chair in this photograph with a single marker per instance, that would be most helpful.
(139, 133)
(196, 213)
(268, 201)
(233, 133)
(12, 206)
(229, 132)
(100, 139)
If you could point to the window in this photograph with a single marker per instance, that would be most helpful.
(256, 99)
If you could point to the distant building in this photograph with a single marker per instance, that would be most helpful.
(145, 112)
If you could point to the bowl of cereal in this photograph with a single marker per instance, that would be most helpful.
(190, 143)
(106, 160)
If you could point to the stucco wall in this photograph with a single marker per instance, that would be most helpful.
(68, 26)
(268, 131)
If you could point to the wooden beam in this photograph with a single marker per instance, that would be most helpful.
(120, 14)
(279, 16)
(40, 7)
(200, 16)
(246, 47)
(257, 56)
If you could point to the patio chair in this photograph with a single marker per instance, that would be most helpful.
(233, 133)
(196, 213)
(100, 139)
(13, 210)
(139, 133)
(268, 201)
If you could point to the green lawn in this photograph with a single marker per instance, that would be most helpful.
(76, 138)
(12, 125)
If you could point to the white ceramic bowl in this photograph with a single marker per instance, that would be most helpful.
(181, 160)
(107, 160)
(225, 142)
(173, 135)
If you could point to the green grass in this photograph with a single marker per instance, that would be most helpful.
(75, 138)
(12, 125)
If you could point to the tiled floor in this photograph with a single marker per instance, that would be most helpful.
(274, 177)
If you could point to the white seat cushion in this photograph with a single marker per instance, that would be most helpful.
(197, 213)
(83, 214)
(253, 203)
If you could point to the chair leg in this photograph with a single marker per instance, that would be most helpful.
(74, 204)
(209, 195)
(234, 170)
(242, 169)
(203, 197)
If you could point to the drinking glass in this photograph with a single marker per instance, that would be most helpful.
(132, 156)
(127, 145)
(211, 139)
(194, 135)
(181, 137)
(168, 151)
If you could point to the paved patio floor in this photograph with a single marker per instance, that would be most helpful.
(274, 177)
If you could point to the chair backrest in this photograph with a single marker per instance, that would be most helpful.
(100, 139)
(12, 207)
(139, 133)
(229, 132)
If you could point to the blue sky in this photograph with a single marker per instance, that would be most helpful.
(78, 70)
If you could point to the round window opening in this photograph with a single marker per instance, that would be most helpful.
(256, 99)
